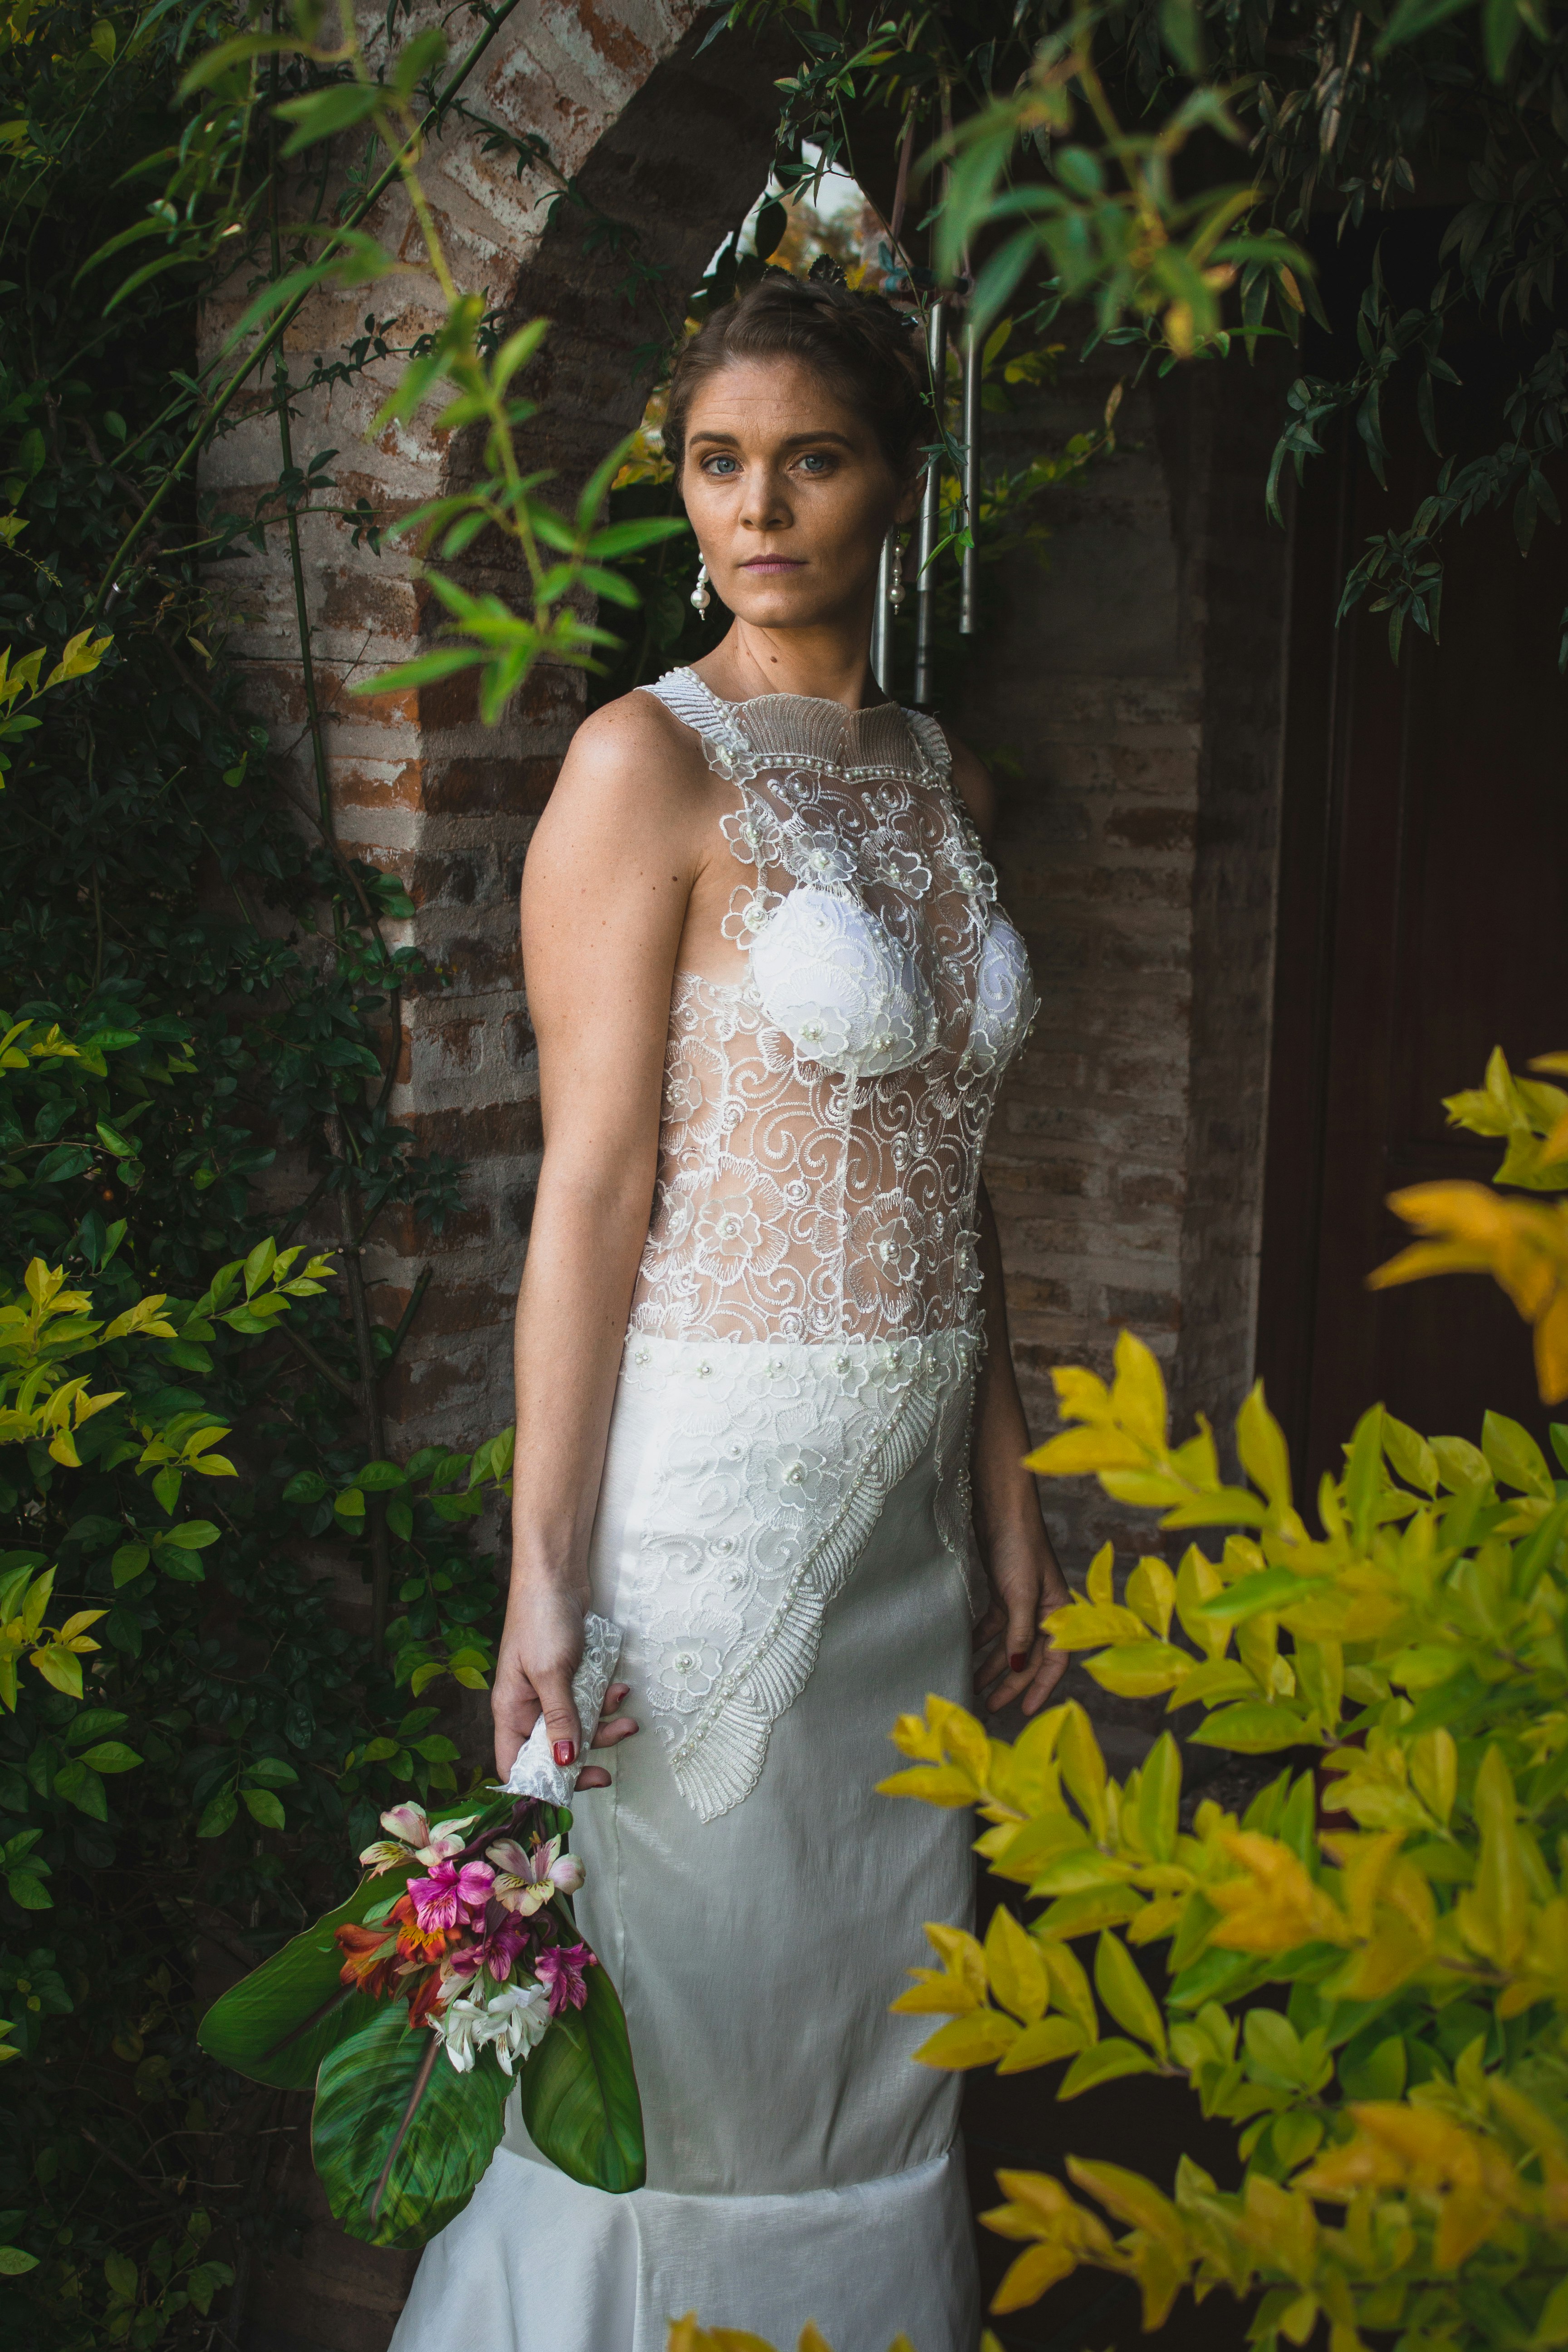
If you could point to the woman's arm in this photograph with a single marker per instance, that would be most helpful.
(605, 896)
(1015, 1659)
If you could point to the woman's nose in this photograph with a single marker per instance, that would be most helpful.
(765, 507)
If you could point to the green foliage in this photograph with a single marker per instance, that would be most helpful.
(1335, 110)
(1370, 1984)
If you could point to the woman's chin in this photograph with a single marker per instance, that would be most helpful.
(782, 604)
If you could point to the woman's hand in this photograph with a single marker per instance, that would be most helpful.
(541, 1650)
(1014, 1658)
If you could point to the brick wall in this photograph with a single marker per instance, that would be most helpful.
(1135, 682)
(678, 147)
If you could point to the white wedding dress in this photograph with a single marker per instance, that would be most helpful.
(782, 1534)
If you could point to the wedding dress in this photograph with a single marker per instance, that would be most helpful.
(783, 1535)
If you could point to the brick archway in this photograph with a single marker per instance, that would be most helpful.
(676, 145)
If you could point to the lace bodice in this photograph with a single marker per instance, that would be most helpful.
(824, 1117)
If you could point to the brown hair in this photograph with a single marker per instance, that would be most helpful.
(864, 349)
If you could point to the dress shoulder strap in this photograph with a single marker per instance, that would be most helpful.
(928, 734)
(724, 744)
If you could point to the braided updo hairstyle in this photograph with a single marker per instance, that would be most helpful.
(867, 353)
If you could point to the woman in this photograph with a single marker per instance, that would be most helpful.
(775, 1000)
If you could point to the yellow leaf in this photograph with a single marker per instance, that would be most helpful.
(1276, 1906)
(935, 1993)
(933, 1784)
(963, 1737)
(1099, 1583)
(1030, 2275)
(1494, 1913)
(1083, 1766)
(1138, 1393)
(977, 2040)
(1014, 1968)
(1197, 1580)
(1152, 1592)
(1069, 1987)
(61, 1668)
(913, 1736)
(960, 1954)
(1042, 2045)
(1261, 1442)
(1077, 1452)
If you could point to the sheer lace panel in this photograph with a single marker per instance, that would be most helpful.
(824, 1117)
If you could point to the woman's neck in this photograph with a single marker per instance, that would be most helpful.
(830, 664)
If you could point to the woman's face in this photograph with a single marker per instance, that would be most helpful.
(789, 493)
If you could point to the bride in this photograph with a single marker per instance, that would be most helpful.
(774, 999)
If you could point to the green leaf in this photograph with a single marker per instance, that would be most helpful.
(377, 1477)
(580, 2097)
(401, 2140)
(1124, 1992)
(323, 113)
(112, 1756)
(1251, 1730)
(13, 2261)
(79, 1786)
(277, 2024)
(220, 1815)
(1104, 2064)
(263, 1807)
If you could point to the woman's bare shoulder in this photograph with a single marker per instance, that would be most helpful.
(972, 782)
(632, 769)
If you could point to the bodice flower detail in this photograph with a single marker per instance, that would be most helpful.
(824, 1117)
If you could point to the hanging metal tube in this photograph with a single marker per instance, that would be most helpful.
(930, 514)
(968, 602)
(882, 616)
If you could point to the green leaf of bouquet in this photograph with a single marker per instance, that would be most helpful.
(277, 2024)
(580, 2097)
(401, 2140)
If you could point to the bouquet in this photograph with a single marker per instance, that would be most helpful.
(453, 1975)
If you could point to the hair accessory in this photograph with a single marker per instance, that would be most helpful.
(700, 599)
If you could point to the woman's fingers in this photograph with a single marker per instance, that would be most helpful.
(1031, 1682)
(514, 1709)
(617, 1727)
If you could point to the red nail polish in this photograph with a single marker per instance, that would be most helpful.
(1019, 1660)
(563, 1752)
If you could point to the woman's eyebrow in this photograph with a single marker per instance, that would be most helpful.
(790, 440)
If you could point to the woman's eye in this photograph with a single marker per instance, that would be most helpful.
(719, 466)
(815, 462)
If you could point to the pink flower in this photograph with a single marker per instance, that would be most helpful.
(451, 1897)
(562, 1970)
(500, 1949)
(568, 1875)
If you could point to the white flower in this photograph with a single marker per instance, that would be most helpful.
(410, 1832)
(514, 2020)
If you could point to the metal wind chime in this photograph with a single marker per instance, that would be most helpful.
(890, 588)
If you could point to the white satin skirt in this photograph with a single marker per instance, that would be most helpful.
(782, 1534)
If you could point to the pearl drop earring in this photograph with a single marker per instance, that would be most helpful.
(700, 599)
(895, 571)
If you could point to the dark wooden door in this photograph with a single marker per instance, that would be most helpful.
(1424, 903)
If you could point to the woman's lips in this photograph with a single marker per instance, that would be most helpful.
(773, 563)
